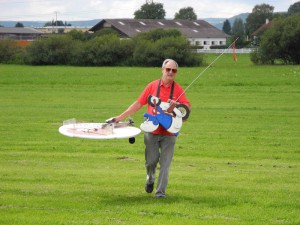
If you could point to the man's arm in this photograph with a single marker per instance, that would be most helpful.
(134, 107)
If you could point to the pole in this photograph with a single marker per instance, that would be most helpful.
(56, 21)
(206, 69)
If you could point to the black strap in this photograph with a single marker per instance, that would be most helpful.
(172, 89)
(158, 89)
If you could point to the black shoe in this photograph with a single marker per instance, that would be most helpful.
(149, 188)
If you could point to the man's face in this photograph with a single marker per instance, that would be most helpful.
(169, 72)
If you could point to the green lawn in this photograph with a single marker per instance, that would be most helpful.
(237, 159)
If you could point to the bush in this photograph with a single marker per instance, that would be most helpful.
(54, 50)
(280, 43)
(147, 49)
(153, 47)
(106, 50)
(145, 54)
(10, 52)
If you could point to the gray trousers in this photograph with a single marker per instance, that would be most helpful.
(159, 148)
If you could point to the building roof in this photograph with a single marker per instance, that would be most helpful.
(19, 30)
(262, 28)
(189, 28)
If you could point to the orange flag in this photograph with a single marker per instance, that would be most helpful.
(233, 52)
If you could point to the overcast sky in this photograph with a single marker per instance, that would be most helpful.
(70, 10)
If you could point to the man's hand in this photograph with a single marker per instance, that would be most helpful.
(111, 120)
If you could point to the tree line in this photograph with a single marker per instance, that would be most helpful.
(104, 48)
(279, 43)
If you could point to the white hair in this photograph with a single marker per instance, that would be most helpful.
(169, 60)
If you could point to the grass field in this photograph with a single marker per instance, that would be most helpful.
(237, 159)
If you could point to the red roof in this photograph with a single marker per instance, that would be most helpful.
(261, 29)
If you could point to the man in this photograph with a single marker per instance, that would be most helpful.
(167, 90)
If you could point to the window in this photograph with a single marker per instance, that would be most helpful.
(120, 22)
(160, 23)
(142, 23)
(138, 30)
(179, 23)
(195, 31)
(197, 24)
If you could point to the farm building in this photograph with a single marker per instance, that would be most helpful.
(257, 33)
(198, 32)
(19, 33)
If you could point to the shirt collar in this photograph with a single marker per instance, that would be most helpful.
(167, 86)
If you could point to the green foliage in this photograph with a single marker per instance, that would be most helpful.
(226, 27)
(186, 14)
(103, 49)
(18, 24)
(57, 23)
(152, 47)
(78, 35)
(10, 52)
(150, 11)
(238, 30)
(258, 17)
(294, 8)
(105, 31)
(290, 39)
(280, 43)
(106, 50)
(54, 50)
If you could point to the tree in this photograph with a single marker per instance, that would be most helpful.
(154, 46)
(18, 24)
(106, 50)
(238, 30)
(226, 27)
(57, 23)
(10, 52)
(54, 50)
(77, 35)
(186, 14)
(258, 17)
(150, 11)
(280, 43)
(295, 8)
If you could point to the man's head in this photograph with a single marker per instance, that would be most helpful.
(169, 70)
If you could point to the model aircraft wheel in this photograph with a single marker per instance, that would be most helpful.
(185, 111)
(153, 101)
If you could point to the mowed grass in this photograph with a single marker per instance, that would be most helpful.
(237, 159)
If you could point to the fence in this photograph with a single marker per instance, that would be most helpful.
(229, 50)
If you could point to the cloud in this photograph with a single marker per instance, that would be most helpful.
(69, 10)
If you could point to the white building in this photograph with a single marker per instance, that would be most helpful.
(198, 32)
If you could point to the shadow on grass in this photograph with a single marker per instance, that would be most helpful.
(216, 201)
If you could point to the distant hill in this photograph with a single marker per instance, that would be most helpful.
(217, 22)
(84, 23)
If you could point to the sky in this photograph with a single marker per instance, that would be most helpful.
(71, 10)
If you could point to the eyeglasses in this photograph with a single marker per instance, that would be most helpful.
(173, 70)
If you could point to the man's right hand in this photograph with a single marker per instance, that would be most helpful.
(111, 120)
